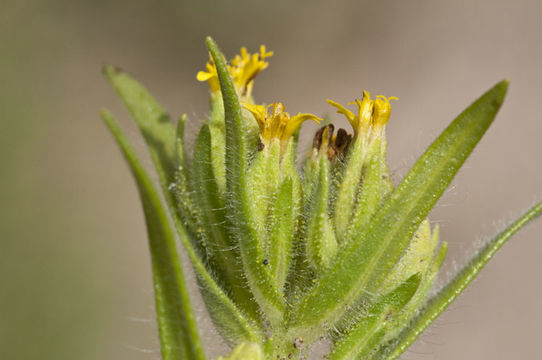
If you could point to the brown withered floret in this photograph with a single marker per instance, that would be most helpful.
(341, 142)
(334, 146)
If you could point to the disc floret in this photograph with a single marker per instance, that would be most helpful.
(371, 117)
(277, 125)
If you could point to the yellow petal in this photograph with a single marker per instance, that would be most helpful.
(352, 119)
(260, 114)
(295, 121)
(365, 109)
(204, 76)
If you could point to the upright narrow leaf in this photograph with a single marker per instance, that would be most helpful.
(372, 190)
(282, 228)
(232, 323)
(183, 207)
(364, 263)
(348, 188)
(179, 336)
(153, 122)
(321, 243)
(180, 152)
(221, 249)
(259, 279)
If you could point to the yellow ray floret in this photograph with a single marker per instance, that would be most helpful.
(277, 124)
(371, 113)
(210, 75)
(243, 68)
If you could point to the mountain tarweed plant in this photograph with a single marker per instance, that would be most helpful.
(286, 256)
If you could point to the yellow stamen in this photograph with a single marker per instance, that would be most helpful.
(243, 68)
(277, 124)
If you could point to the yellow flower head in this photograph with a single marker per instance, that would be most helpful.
(277, 124)
(243, 68)
(372, 114)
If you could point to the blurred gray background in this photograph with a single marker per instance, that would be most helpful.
(75, 279)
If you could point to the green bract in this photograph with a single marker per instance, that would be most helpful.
(287, 256)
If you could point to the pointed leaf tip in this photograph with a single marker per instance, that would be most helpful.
(502, 88)
(153, 121)
(210, 42)
(110, 70)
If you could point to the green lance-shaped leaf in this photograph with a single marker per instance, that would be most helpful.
(371, 192)
(165, 143)
(417, 258)
(364, 263)
(211, 211)
(154, 123)
(221, 250)
(180, 152)
(348, 189)
(418, 300)
(259, 279)
(311, 174)
(184, 206)
(321, 244)
(362, 339)
(440, 301)
(177, 326)
(218, 138)
(361, 343)
(232, 323)
(281, 234)
(263, 182)
(288, 166)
